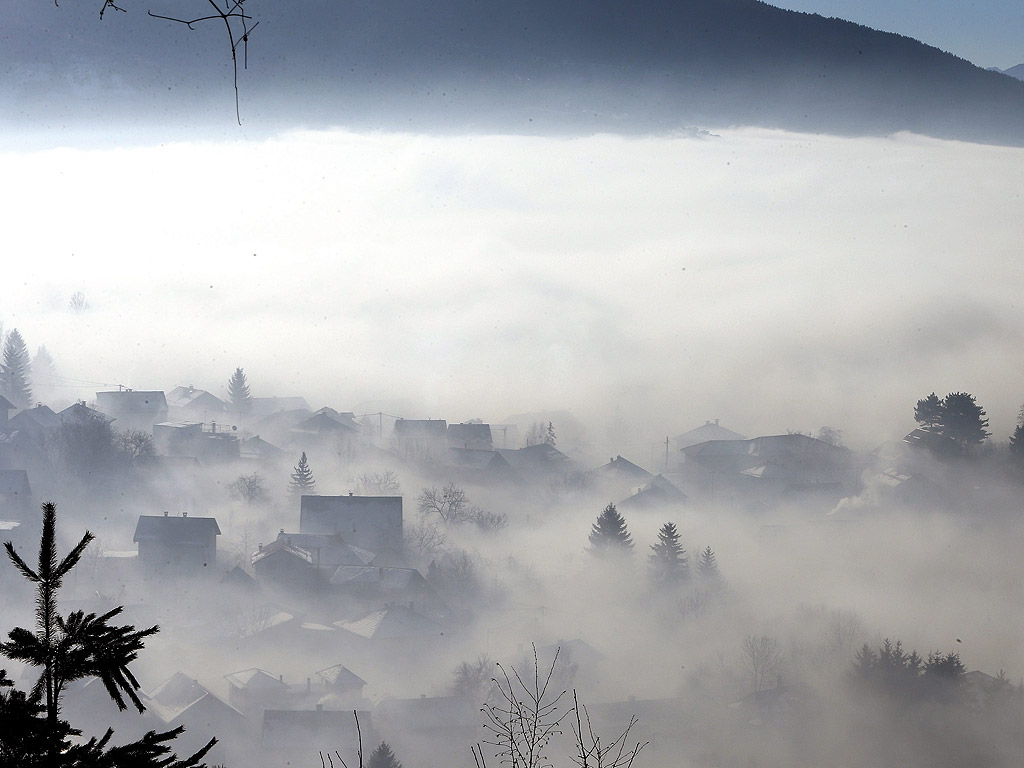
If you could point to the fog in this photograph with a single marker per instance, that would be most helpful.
(773, 280)
(626, 289)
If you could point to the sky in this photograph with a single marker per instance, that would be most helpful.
(989, 33)
(776, 281)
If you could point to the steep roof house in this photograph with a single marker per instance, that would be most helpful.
(370, 522)
(707, 431)
(191, 404)
(177, 545)
(305, 560)
(659, 491)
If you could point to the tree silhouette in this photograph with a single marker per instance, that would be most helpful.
(957, 417)
(707, 565)
(238, 390)
(383, 757)
(668, 561)
(302, 482)
(68, 649)
(16, 371)
(609, 534)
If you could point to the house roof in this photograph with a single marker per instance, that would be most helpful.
(178, 692)
(41, 416)
(658, 490)
(324, 421)
(181, 529)
(465, 435)
(77, 413)
(265, 406)
(257, 446)
(256, 679)
(340, 676)
(326, 550)
(710, 430)
(393, 622)
(6, 404)
(195, 399)
(623, 468)
(535, 457)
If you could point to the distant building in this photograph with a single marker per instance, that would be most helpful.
(191, 404)
(134, 409)
(475, 437)
(192, 438)
(178, 545)
(420, 439)
(370, 522)
(707, 431)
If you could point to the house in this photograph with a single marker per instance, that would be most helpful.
(480, 467)
(706, 432)
(474, 436)
(394, 623)
(38, 421)
(134, 409)
(306, 560)
(256, 448)
(659, 491)
(378, 585)
(420, 439)
(369, 522)
(191, 438)
(253, 690)
(179, 545)
(266, 406)
(191, 404)
(183, 701)
(541, 461)
(80, 413)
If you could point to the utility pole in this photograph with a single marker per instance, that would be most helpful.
(666, 454)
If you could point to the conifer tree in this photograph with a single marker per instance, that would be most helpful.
(238, 391)
(549, 435)
(383, 757)
(707, 566)
(668, 561)
(16, 371)
(68, 649)
(1017, 439)
(302, 482)
(609, 534)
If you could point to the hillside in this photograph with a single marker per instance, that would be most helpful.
(533, 65)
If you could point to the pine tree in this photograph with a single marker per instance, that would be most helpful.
(668, 561)
(549, 435)
(68, 649)
(928, 412)
(238, 390)
(957, 417)
(302, 482)
(609, 533)
(383, 757)
(1017, 438)
(707, 566)
(16, 371)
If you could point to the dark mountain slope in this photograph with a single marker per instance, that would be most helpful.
(537, 65)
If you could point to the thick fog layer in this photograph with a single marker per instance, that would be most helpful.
(776, 281)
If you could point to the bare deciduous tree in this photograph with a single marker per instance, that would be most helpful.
(761, 659)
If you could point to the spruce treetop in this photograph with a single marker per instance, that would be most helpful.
(609, 534)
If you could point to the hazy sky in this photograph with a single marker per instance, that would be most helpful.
(985, 32)
(776, 281)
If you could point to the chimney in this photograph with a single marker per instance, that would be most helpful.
(350, 493)
(213, 426)
(319, 707)
(281, 678)
(309, 685)
(165, 513)
(261, 547)
(184, 514)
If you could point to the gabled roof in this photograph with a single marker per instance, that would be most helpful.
(325, 421)
(340, 676)
(178, 692)
(6, 404)
(195, 399)
(193, 530)
(391, 623)
(540, 457)
(256, 679)
(325, 550)
(623, 469)
(469, 436)
(257, 446)
(657, 491)
(41, 416)
(78, 413)
(707, 431)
